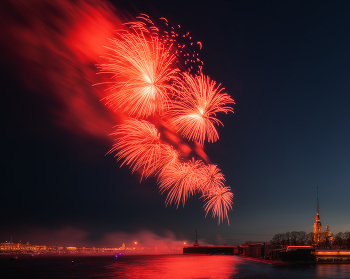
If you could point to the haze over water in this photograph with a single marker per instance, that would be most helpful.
(159, 266)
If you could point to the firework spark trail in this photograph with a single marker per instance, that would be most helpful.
(194, 110)
(142, 69)
(181, 180)
(138, 145)
(219, 201)
(212, 178)
(168, 157)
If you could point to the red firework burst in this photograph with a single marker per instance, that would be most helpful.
(146, 82)
(219, 201)
(142, 69)
(182, 180)
(138, 145)
(194, 110)
(212, 178)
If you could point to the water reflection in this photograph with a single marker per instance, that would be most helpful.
(175, 266)
(333, 271)
(160, 266)
(204, 266)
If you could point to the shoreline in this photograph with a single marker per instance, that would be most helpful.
(291, 263)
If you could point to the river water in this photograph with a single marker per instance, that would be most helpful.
(159, 266)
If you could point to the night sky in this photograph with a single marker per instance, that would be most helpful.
(285, 63)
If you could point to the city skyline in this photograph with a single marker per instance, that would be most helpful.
(286, 65)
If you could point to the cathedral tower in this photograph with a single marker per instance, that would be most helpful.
(327, 233)
(317, 226)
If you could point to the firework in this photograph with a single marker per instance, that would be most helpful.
(182, 180)
(138, 145)
(147, 84)
(142, 69)
(219, 201)
(194, 110)
(168, 157)
(212, 178)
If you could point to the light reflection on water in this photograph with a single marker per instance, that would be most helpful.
(160, 266)
(333, 271)
(175, 266)
(203, 266)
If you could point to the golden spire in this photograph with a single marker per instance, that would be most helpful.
(317, 200)
(317, 214)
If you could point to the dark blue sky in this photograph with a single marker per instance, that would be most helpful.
(287, 67)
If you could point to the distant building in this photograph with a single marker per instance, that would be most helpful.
(294, 254)
(255, 250)
(317, 226)
(327, 238)
(20, 247)
(327, 233)
(196, 242)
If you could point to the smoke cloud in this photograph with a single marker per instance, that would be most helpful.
(53, 47)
